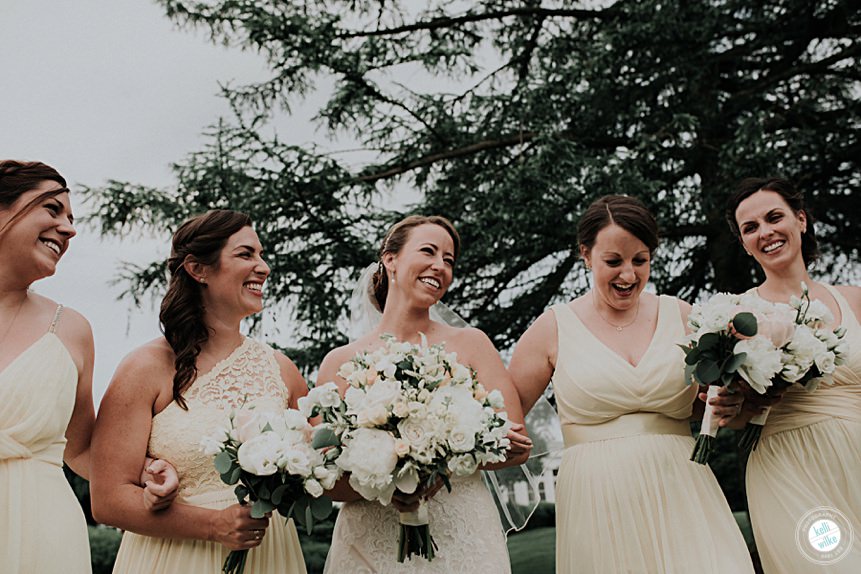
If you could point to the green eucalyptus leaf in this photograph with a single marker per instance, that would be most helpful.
(745, 324)
(261, 507)
(324, 437)
(707, 372)
(223, 462)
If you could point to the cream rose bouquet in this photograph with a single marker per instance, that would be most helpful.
(809, 353)
(734, 336)
(269, 453)
(412, 415)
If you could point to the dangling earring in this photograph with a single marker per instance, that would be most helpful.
(393, 279)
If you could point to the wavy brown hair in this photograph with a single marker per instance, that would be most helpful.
(19, 177)
(200, 240)
(396, 238)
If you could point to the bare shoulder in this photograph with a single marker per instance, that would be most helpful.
(75, 324)
(344, 353)
(467, 336)
(285, 363)
(149, 365)
(334, 359)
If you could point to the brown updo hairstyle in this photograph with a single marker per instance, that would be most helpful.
(627, 212)
(396, 238)
(19, 177)
(200, 239)
(793, 198)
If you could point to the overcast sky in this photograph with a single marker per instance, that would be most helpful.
(105, 89)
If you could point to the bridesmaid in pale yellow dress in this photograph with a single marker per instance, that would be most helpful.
(46, 372)
(628, 499)
(171, 392)
(809, 456)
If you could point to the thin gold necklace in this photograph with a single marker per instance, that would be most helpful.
(14, 318)
(617, 327)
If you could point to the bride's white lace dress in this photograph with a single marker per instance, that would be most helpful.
(464, 524)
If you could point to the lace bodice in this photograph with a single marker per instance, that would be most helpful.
(249, 373)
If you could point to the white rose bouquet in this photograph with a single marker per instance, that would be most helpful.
(412, 415)
(808, 355)
(270, 454)
(733, 336)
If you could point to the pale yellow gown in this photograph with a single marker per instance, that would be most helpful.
(628, 499)
(809, 456)
(250, 373)
(42, 526)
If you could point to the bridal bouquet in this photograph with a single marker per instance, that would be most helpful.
(270, 454)
(809, 354)
(733, 336)
(412, 415)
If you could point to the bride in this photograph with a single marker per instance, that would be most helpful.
(416, 265)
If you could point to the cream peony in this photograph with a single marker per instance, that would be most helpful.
(260, 454)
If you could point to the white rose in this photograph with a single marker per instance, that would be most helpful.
(326, 476)
(825, 363)
(260, 454)
(462, 465)
(762, 363)
(461, 440)
(416, 431)
(369, 455)
(295, 461)
(313, 488)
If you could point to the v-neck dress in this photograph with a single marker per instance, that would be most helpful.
(42, 526)
(250, 373)
(628, 499)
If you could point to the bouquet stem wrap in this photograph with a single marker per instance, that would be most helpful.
(705, 441)
(415, 537)
(749, 438)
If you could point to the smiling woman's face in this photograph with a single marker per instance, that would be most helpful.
(770, 229)
(424, 267)
(36, 239)
(620, 264)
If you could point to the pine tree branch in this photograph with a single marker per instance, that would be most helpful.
(454, 21)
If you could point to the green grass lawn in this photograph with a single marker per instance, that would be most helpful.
(533, 551)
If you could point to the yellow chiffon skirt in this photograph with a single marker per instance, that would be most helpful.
(638, 504)
(792, 473)
(279, 553)
(42, 526)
